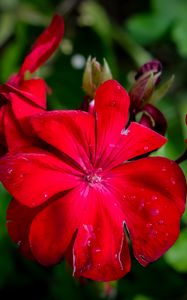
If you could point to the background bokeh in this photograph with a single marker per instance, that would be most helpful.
(127, 33)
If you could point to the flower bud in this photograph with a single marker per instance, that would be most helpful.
(153, 118)
(94, 75)
(146, 79)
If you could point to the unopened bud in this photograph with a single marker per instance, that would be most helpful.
(94, 75)
(146, 79)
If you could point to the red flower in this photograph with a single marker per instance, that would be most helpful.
(87, 186)
(22, 97)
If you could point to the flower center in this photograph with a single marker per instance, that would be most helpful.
(93, 179)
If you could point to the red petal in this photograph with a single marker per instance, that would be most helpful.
(112, 95)
(53, 228)
(116, 145)
(72, 132)
(2, 131)
(44, 46)
(100, 251)
(32, 178)
(109, 126)
(36, 87)
(15, 137)
(23, 109)
(19, 218)
(28, 93)
(153, 193)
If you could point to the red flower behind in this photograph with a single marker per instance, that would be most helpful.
(88, 185)
(20, 98)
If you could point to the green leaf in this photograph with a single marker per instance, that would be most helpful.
(93, 15)
(161, 91)
(7, 23)
(147, 28)
(176, 257)
(179, 36)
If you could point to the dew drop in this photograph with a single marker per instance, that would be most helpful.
(45, 195)
(25, 158)
(21, 175)
(149, 225)
(154, 233)
(172, 180)
(155, 211)
(166, 236)
(18, 243)
(89, 243)
(112, 145)
(146, 148)
(10, 171)
(98, 250)
(142, 204)
(125, 131)
(154, 197)
(116, 256)
(164, 169)
(160, 222)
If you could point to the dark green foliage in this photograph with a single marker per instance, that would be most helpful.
(127, 34)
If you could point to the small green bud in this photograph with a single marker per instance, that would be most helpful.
(94, 75)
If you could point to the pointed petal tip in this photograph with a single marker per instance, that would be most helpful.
(112, 94)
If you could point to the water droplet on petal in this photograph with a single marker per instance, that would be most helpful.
(142, 204)
(155, 211)
(154, 197)
(146, 148)
(10, 171)
(163, 169)
(154, 233)
(45, 195)
(166, 236)
(112, 145)
(97, 250)
(172, 180)
(125, 131)
(89, 243)
(21, 175)
(149, 225)
(160, 222)
(18, 243)
(25, 158)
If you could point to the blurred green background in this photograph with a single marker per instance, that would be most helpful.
(128, 34)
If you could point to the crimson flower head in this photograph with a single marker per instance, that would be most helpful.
(76, 198)
(19, 97)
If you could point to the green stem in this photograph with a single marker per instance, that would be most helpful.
(182, 158)
(138, 54)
